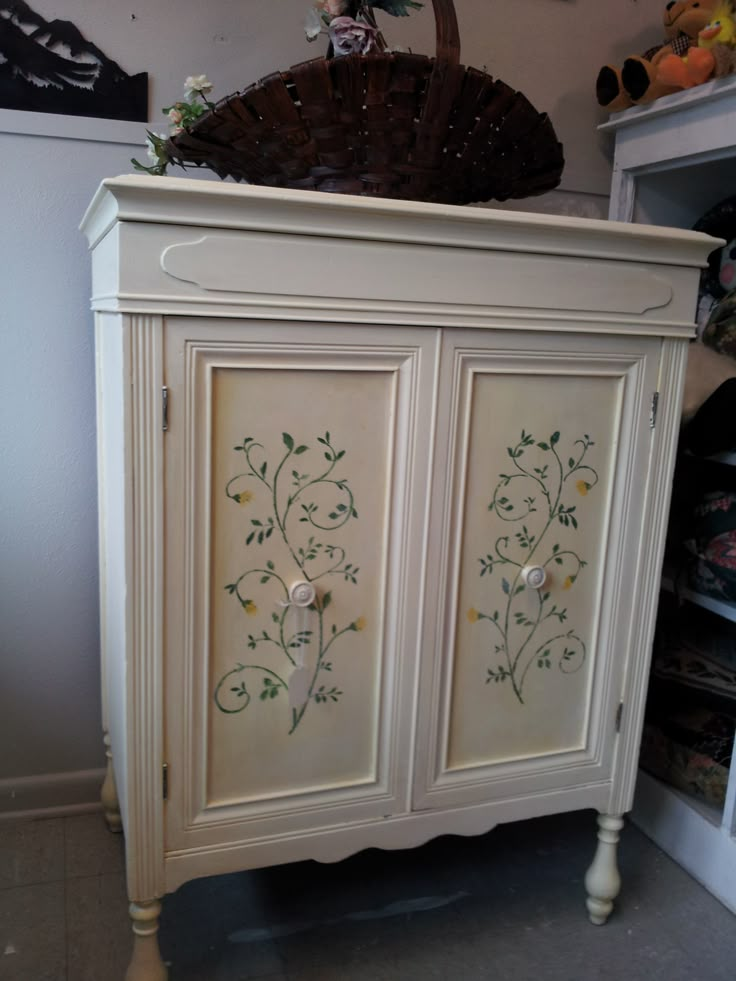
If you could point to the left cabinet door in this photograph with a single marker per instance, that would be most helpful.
(295, 453)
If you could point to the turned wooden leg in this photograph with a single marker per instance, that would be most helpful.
(602, 879)
(109, 793)
(146, 963)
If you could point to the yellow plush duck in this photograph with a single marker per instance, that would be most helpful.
(701, 62)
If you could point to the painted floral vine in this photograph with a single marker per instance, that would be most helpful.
(531, 497)
(288, 508)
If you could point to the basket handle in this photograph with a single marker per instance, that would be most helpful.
(448, 35)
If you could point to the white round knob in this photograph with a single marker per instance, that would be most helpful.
(534, 576)
(302, 594)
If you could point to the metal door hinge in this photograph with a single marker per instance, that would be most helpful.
(653, 410)
(165, 408)
(165, 780)
(619, 713)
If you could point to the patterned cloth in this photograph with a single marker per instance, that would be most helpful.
(691, 750)
(680, 46)
(713, 544)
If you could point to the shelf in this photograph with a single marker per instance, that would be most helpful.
(675, 822)
(720, 607)
(729, 458)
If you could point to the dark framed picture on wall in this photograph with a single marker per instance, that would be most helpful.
(48, 66)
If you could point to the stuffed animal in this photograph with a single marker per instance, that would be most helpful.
(713, 55)
(636, 82)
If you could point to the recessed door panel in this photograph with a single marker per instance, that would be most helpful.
(534, 529)
(301, 464)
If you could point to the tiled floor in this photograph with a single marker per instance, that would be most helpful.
(507, 906)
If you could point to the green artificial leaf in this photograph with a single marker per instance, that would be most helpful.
(397, 8)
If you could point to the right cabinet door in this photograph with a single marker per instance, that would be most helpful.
(539, 495)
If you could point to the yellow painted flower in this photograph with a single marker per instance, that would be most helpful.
(473, 615)
(250, 608)
(360, 623)
(244, 497)
(582, 487)
(568, 582)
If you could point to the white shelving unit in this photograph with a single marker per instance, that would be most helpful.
(673, 160)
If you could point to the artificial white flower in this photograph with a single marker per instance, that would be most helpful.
(153, 146)
(312, 25)
(175, 116)
(195, 84)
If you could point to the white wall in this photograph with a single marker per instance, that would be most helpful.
(50, 747)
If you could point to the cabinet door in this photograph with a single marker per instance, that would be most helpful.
(548, 443)
(295, 453)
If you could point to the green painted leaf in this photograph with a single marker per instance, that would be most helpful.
(300, 449)
(554, 438)
(288, 441)
(543, 446)
(326, 600)
(505, 585)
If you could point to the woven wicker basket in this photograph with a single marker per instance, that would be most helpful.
(387, 125)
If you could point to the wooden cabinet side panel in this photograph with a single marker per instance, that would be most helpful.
(114, 518)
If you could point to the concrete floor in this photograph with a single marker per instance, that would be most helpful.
(507, 906)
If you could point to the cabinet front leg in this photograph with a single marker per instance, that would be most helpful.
(602, 879)
(109, 793)
(146, 963)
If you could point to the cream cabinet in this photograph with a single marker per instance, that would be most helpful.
(383, 489)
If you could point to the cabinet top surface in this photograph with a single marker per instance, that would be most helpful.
(183, 201)
(717, 97)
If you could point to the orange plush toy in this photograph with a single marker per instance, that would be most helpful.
(637, 81)
(712, 56)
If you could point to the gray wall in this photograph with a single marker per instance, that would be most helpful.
(49, 703)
